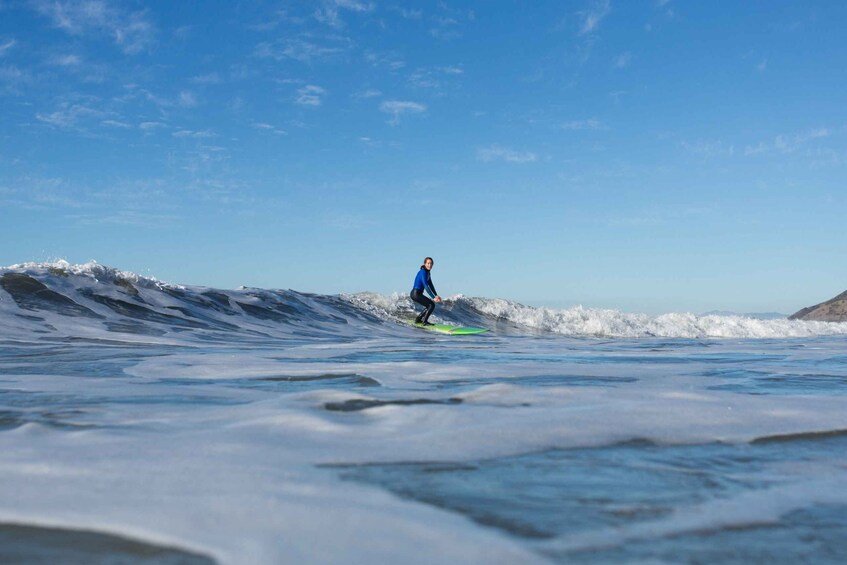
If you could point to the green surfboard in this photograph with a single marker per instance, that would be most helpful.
(452, 330)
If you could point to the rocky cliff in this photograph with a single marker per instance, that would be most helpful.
(833, 310)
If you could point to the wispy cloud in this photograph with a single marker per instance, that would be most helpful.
(11, 78)
(424, 78)
(623, 60)
(310, 95)
(68, 60)
(500, 153)
(787, 143)
(408, 13)
(593, 16)
(354, 5)
(330, 12)
(447, 24)
(131, 31)
(151, 126)
(187, 99)
(39, 193)
(210, 78)
(262, 126)
(273, 21)
(665, 6)
(186, 133)
(182, 99)
(346, 221)
(134, 218)
(582, 125)
(434, 78)
(116, 124)
(368, 93)
(68, 115)
(298, 50)
(369, 141)
(445, 28)
(6, 45)
(390, 61)
(399, 108)
(709, 149)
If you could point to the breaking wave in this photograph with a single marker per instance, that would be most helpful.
(45, 301)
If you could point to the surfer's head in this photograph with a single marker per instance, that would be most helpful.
(428, 263)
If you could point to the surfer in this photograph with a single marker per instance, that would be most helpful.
(423, 283)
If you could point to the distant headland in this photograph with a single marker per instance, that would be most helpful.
(833, 310)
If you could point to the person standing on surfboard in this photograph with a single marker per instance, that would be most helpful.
(423, 283)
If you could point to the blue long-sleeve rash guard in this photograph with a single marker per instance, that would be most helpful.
(424, 282)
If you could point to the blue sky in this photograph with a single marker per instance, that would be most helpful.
(656, 155)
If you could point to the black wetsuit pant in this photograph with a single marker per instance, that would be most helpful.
(422, 299)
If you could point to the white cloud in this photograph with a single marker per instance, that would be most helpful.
(499, 153)
(11, 77)
(132, 218)
(329, 14)
(445, 28)
(390, 61)
(150, 126)
(409, 14)
(369, 93)
(424, 78)
(434, 78)
(310, 95)
(187, 99)
(580, 125)
(134, 36)
(131, 31)
(762, 66)
(623, 60)
(211, 78)
(592, 17)
(69, 60)
(398, 108)
(346, 221)
(6, 45)
(116, 124)
(354, 5)
(787, 143)
(709, 149)
(185, 133)
(68, 115)
(268, 127)
(297, 49)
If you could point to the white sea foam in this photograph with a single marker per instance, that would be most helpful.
(91, 269)
(597, 322)
(613, 323)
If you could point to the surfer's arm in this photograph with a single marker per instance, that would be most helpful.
(430, 288)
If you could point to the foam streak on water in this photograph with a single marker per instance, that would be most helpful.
(265, 426)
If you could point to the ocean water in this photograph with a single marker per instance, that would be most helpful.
(148, 422)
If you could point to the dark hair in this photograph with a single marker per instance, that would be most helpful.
(424, 261)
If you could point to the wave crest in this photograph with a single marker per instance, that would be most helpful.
(94, 300)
